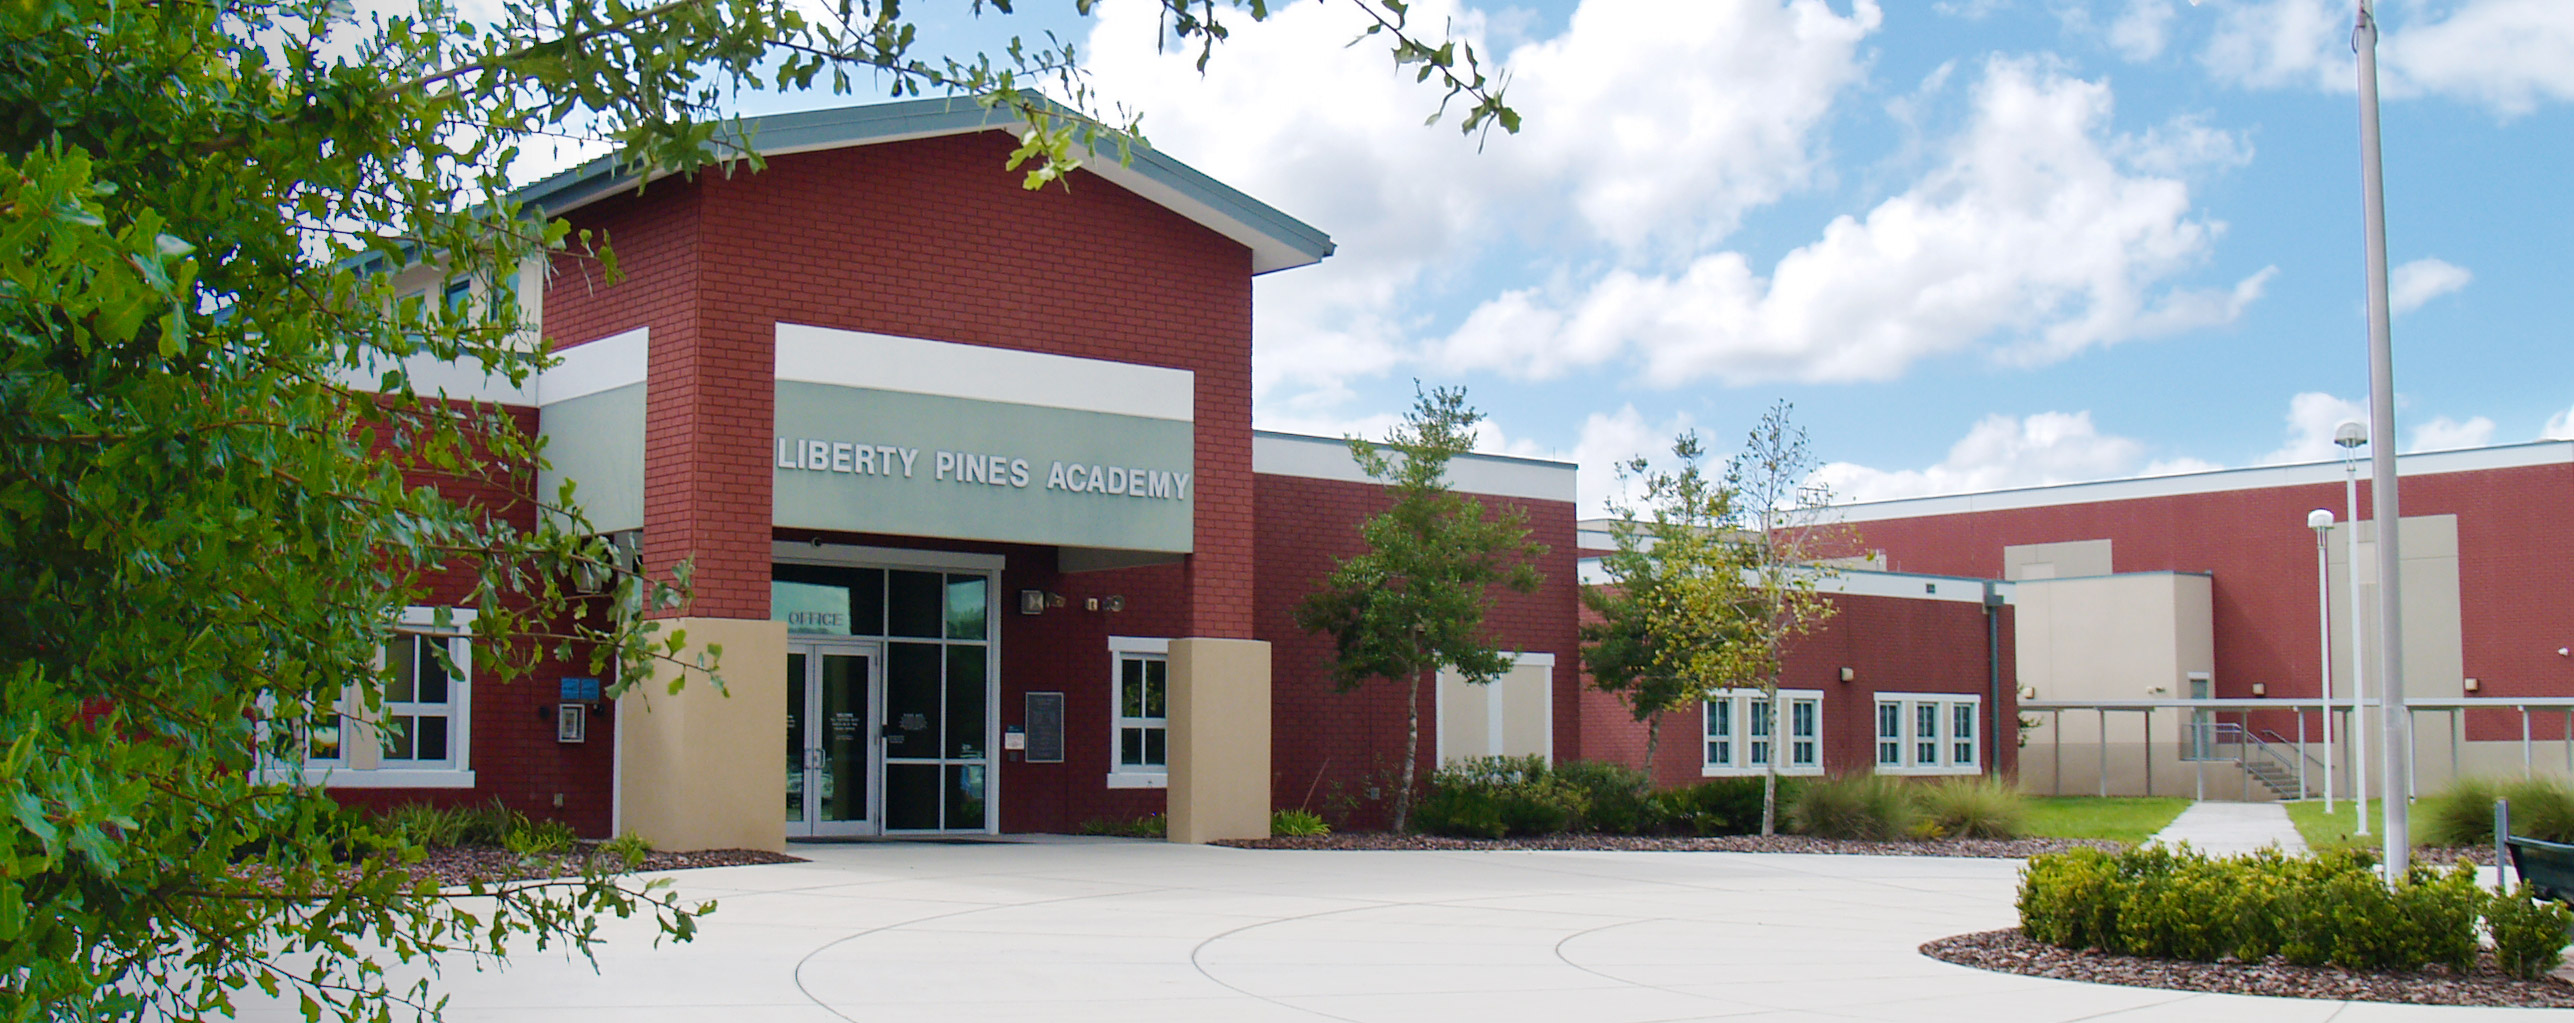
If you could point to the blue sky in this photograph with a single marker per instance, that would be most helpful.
(1977, 243)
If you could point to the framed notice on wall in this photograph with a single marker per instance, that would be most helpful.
(1045, 728)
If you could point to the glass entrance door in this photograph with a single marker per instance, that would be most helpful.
(832, 695)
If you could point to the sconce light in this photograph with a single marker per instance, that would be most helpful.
(2471, 685)
(1108, 603)
(1032, 602)
(1116, 603)
(1850, 674)
(2260, 689)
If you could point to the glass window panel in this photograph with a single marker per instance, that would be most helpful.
(431, 741)
(965, 805)
(911, 797)
(1801, 753)
(812, 609)
(1962, 720)
(432, 684)
(1720, 717)
(966, 613)
(1889, 721)
(1720, 753)
(1130, 747)
(1130, 699)
(912, 686)
(1760, 751)
(795, 737)
(397, 738)
(1926, 720)
(1156, 686)
(1802, 724)
(914, 604)
(847, 725)
(322, 741)
(866, 601)
(403, 658)
(1156, 747)
(1762, 717)
(965, 701)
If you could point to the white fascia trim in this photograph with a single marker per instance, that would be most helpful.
(1138, 780)
(335, 777)
(611, 362)
(460, 620)
(849, 358)
(1862, 583)
(1138, 645)
(1324, 458)
(2428, 463)
(790, 552)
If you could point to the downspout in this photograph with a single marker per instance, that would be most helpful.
(1993, 672)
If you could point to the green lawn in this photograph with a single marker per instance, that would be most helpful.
(2128, 819)
(2334, 830)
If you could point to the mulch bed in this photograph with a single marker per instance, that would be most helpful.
(2009, 951)
(457, 865)
(2018, 848)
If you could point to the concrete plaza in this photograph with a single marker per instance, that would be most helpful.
(1062, 929)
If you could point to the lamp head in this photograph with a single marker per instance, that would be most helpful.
(2319, 519)
(2350, 435)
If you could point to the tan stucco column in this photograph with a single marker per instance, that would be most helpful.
(1219, 707)
(703, 769)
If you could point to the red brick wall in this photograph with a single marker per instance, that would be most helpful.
(512, 753)
(1893, 645)
(1329, 742)
(2514, 550)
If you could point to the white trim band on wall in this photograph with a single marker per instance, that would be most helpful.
(1323, 458)
(849, 358)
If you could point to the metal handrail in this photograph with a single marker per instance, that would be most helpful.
(2276, 740)
(2212, 735)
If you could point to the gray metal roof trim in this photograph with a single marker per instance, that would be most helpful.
(1521, 459)
(805, 131)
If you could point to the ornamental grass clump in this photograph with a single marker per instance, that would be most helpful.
(1866, 807)
(2463, 815)
(2325, 910)
(1974, 808)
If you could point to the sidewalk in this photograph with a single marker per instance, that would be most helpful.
(2233, 829)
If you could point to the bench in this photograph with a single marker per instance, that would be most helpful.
(2547, 866)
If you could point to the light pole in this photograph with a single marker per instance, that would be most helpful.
(2321, 521)
(2381, 421)
(2350, 436)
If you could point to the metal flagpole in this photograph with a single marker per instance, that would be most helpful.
(2381, 423)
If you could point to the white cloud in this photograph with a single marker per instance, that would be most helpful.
(2445, 434)
(2559, 426)
(2034, 228)
(2002, 452)
(1650, 129)
(2141, 30)
(2312, 418)
(2422, 280)
(2507, 55)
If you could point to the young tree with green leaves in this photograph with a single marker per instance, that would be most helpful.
(219, 486)
(1414, 601)
(1787, 537)
(1677, 588)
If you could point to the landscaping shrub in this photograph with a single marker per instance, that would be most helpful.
(427, 825)
(486, 823)
(2464, 814)
(628, 848)
(539, 837)
(1617, 797)
(1974, 808)
(1297, 824)
(1867, 807)
(2179, 904)
(1496, 797)
(2529, 932)
(1718, 806)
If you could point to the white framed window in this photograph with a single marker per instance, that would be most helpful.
(1742, 732)
(1139, 695)
(1928, 733)
(420, 736)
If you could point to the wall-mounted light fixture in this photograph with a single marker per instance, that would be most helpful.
(1032, 602)
(2471, 685)
(2260, 689)
(1850, 674)
(1108, 603)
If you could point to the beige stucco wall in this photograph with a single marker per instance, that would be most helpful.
(702, 768)
(2434, 652)
(1219, 757)
(2056, 560)
(1521, 702)
(2138, 636)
